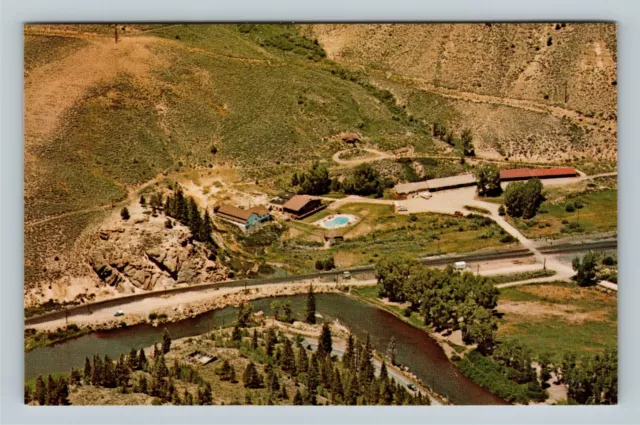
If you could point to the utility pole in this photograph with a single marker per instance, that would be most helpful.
(115, 32)
(66, 316)
(478, 270)
(544, 266)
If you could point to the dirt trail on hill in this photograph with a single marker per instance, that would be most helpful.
(556, 111)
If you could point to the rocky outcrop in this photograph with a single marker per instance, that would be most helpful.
(146, 255)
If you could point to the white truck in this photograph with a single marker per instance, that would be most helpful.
(460, 265)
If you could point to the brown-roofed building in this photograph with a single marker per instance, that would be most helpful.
(300, 206)
(279, 200)
(532, 173)
(350, 138)
(246, 218)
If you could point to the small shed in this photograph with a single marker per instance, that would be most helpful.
(350, 138)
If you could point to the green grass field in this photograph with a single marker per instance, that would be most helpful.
(381, 232)
(598, 214)
(558, 318)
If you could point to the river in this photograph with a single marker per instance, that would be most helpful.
(415, 348)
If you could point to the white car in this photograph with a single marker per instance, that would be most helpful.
(119, 313)
(425, 195)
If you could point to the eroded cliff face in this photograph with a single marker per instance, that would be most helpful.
(124, 257)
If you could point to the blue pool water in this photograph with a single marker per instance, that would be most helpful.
(337, 221)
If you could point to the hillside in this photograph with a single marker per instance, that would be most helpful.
(105, 120)
(501, 80)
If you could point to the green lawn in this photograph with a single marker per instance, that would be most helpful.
(381, 232)
(559, 317)
(598, 214)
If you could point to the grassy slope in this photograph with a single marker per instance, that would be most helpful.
(261, 106)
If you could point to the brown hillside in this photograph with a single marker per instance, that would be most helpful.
(536, 62)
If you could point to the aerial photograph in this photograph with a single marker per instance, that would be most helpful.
(320, 214)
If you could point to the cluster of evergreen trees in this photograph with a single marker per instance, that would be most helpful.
(444, 133)
(185, 210)
(445, 298)
(320, 377)
(52, 393)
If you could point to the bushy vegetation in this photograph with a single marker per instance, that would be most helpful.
(364, 181)
(586, 269)
(510, 379)
(523, 199)
(447, 299)
(591, 379)
(488, 179)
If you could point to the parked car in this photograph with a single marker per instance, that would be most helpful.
(458, 214)
(460, 265)
(346, 275)
(412, 387)
(119, 313)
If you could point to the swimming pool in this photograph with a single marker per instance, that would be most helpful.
(335, 221)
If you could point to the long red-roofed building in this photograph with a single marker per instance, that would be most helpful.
(531, 173)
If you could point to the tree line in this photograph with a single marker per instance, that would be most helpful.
(447, 299)
(364, 180)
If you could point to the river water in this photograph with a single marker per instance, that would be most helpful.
(415, 348)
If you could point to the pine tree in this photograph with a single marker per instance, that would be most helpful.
(251, 378)
(310, 312)
(52, 392)
(254, 340)
(87, 370)
(188, 398)
(62, 392)
(351, 393)
(348, 358)
(384, 375)
(272, 380)
(144, 385)
(166, 341)
(297, 399)
(108, 373)
(236, 334)
(312, 380)
(205, 397)
(96, 371)
(27, 395)
(142, 360)
(272, 339)
(366, 370)
(76, 377)
(156, 352)
(391, 350)
(124, 213)
(303, 360)
(40, 392)
(288, 360)
(337, 391)
(143, 201)
(324, 343)
(132, 359)
(283, 393)
(207, 227)
(232, 375)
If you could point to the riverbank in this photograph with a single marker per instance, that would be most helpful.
(172, 308)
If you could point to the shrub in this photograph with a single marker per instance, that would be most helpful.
(406, 312)
(501, 210)
(153, 315)
(124, 213)
(569, 208)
